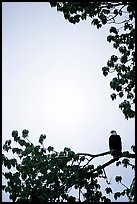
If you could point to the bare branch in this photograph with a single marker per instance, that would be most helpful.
(124, 21)
(113, 17)
(106, 164)
(124, 154)
(124, 185)
(93, 155)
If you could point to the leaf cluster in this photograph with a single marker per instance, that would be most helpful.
(44, 175)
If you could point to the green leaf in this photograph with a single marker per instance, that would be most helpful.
(118, 88)
(8, 165)
(53, 4)
(14, 133)
(118, 163)
(16, 150)
(9, 142)
(123, 59)
(113, 30)
(13, 162)
(71, 154)
(21, 142)
(71, 199)
(6, 147)
(108, 190)
(50, 148)
(18, 167)
(103, 19)
(7, 189)
(122, 49)
(42, 137)
(115, 11)
(3, 187)
(71, 20)
(113, 96)
(25, 133)
(105, 73)
(118, 179)
(99, 25)
(117, 195)
(130, 95)
(24, 176)
(110, 63)
(115, 45)
(76, 157)
(77, 18)
(95, 21)
(90, 167)
(114, 58)
(109, 38)
(125, 162)
(105, 69)
(121, 94)
(133, 148)
(82, 158)
(123, 192)
(8, 175)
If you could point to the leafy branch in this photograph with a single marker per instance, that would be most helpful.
(44, 175)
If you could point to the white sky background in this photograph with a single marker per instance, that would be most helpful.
(52, 83)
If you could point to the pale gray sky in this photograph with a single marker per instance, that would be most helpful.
(52, 83)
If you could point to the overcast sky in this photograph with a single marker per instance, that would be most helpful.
(52, 83)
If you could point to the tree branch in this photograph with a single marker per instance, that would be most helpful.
(113, 17)
(124, 154)
(127, 154)
(106, 164)
(93, 155)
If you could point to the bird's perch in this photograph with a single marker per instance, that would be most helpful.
(124, 154)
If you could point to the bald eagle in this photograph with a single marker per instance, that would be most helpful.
(115, 144)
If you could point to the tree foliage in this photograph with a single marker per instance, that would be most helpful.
(44, 175)
(121, 15)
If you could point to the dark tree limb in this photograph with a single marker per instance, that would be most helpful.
(127, 154)
(106, 164)
(123, 154)
(93, 155)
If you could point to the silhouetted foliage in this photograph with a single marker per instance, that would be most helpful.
(44, 175)
(121, 15)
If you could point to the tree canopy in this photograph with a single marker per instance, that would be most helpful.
(121, 15)
(44, 175)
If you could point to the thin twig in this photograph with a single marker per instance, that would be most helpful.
(123, 185)
(79, 195)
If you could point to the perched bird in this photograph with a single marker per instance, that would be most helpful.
(115, 144)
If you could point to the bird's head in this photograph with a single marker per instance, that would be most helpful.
(113, 132)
